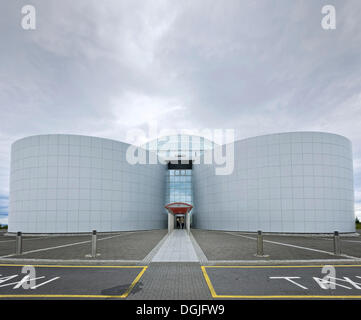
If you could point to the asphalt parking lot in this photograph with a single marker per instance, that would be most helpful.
(223, 245)
(186, 281)
(279, 282)
(216, 245)
(69, 281)
(119, 246)
(231, 270)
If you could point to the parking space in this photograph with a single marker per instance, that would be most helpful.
(232, 271)
(172, 281)
(350, 246)
(50, 281)
(223, 245)
(280, 282)
(133, 245)
(7, 247)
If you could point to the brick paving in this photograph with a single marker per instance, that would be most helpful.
(171, 281)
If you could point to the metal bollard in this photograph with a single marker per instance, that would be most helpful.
(94, 244)
(336, 243)
(259, 243)
(19, 243)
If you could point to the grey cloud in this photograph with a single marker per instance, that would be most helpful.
(105, 68)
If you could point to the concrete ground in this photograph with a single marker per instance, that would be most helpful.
(178, 247)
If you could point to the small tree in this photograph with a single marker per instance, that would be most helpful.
(357, 220)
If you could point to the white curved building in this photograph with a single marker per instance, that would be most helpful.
(298, 182)
(70, 183)
(289, 182)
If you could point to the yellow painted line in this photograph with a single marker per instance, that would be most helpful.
(209, 283)
(311, 266)
(215, 295)
(124, 295)
(288, 297)
(56, 296)
(61, 266)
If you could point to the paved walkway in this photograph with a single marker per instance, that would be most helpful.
(172, 281)
(177, 248)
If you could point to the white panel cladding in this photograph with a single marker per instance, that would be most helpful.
(289, 182)
(70, 183)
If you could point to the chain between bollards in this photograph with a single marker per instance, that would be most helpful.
(19, 243)
(94, 244)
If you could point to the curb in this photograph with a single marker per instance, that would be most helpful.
(199, 252)
(280, 262)
(153, 252)
(69, 262)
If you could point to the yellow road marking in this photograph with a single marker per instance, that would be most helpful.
(311, 266)
(215, 295)
(124, 295)
(56, 296)
(61, 266)
(288, 297)
(209, 283)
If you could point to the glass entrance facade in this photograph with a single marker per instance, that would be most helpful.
(179, 178)
(179, 146)
(179, 186)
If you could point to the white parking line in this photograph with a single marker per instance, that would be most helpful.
(24, 239)
(41, 284)
(343, 240)
(292, 245)
(65, 245)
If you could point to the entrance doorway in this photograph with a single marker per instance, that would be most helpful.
(178, 215)
(180, 221)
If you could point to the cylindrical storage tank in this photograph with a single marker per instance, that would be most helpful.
(72, 183)
(299, 182)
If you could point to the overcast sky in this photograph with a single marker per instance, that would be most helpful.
(102, 68)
